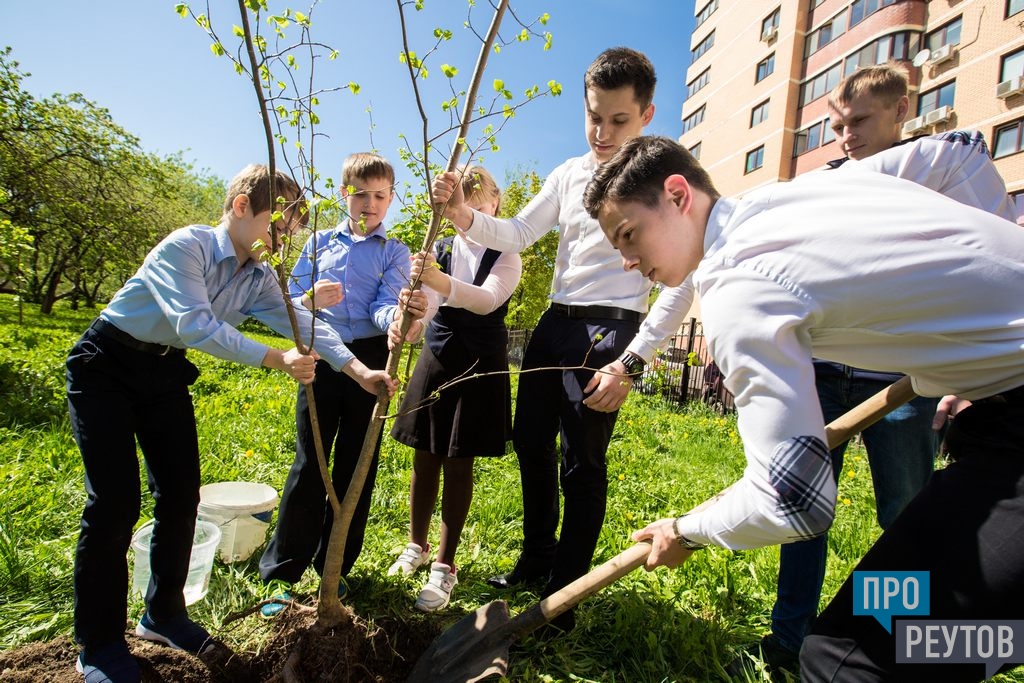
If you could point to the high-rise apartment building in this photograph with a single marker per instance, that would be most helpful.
(760, 72)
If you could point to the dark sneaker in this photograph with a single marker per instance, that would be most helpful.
(527, 570)
(111, 663)
(775, 656)
(179, 632)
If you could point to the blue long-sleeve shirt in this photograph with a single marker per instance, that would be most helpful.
(191, 293)
(372, 271)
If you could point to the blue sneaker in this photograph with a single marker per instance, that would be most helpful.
(179, 632)
(342, 588)
(111, 663)
(272, 609)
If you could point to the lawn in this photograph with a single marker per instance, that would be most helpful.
(678, 625)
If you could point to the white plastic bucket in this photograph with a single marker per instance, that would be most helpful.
(242, 510)
(200, 562)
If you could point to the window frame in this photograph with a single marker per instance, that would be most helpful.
(694, 119)
(701, 81)
(702, 47)
(1019, 143)
(1007, 58)
(922, 98)
(769, 68)
(758, 154)
(944, 32)
(762, 108)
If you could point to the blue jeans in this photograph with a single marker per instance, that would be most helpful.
(901, 451)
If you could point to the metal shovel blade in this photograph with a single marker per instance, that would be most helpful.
(463, 653)
(477, 646)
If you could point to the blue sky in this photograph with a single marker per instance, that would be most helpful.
(156, 74)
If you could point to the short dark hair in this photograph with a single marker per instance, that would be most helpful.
(617, 67)
(638, 170)
(366, 165)
(254, 182)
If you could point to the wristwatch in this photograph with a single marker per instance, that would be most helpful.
(634, 363)
(683, 540)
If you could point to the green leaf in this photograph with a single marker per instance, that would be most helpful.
(354, 87)
(523, 36)
(449, 70)
(302, 18)
(333, 55)
(499, 85)
(237, 30)
(217, 49)
(182, 9)
(547, 40)
(543, 19)
(555, 87)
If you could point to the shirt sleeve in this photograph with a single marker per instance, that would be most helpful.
(302, 277)
(495, 290)
(270, 310)
(956, 164)
(663, 320)
(392, 280)
(787, 492)
(174, 274)
(536, 219)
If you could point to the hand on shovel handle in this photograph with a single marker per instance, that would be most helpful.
(477, 646)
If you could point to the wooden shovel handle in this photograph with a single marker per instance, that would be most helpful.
(841, 429)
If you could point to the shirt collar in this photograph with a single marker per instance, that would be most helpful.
(345, 229)
(224, 249)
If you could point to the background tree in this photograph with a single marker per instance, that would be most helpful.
(79, 189)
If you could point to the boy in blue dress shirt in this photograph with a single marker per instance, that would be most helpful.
(356, 273)
(128, 379)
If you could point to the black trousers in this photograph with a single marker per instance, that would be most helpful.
(304, 519)
(966, 528)
(115, 396)
(549, 404)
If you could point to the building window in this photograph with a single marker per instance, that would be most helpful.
(814, 136)
(947, 35)
(765, 68)
(933, 99)
(693, 119)
(703, 46)
(821, 84)
(759, 113)
(895, 46)
(1013, 65)
(862, 9)
(755, 159)
(708, 10)
(696, 84)
(1018, 202)
(695, 151)
(770, 22)
(825, 34)
(1008, 139)
(1014, 7)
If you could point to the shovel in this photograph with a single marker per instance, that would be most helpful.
(477, 646)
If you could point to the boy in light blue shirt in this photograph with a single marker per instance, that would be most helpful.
(355, 273)
(128, 379)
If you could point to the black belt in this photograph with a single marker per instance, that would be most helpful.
(607, 312)
(112, 331)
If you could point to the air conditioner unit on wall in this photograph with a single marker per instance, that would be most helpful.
(938, 115)
(942, 54)
(1009, 88)
(914, 125)
(770, 33)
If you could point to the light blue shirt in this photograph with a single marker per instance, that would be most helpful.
(372, 271)
(191, 293)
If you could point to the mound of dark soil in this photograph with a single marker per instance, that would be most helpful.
(355, 652)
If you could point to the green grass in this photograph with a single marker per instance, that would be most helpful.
(668, 625)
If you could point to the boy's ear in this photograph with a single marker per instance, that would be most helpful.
(680, 191)
(239, 204)
(648, 114)
(902, 107)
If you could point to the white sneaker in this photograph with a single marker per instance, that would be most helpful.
(411, 559)
(438, 589)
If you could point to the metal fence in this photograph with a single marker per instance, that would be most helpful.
(683, 372)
